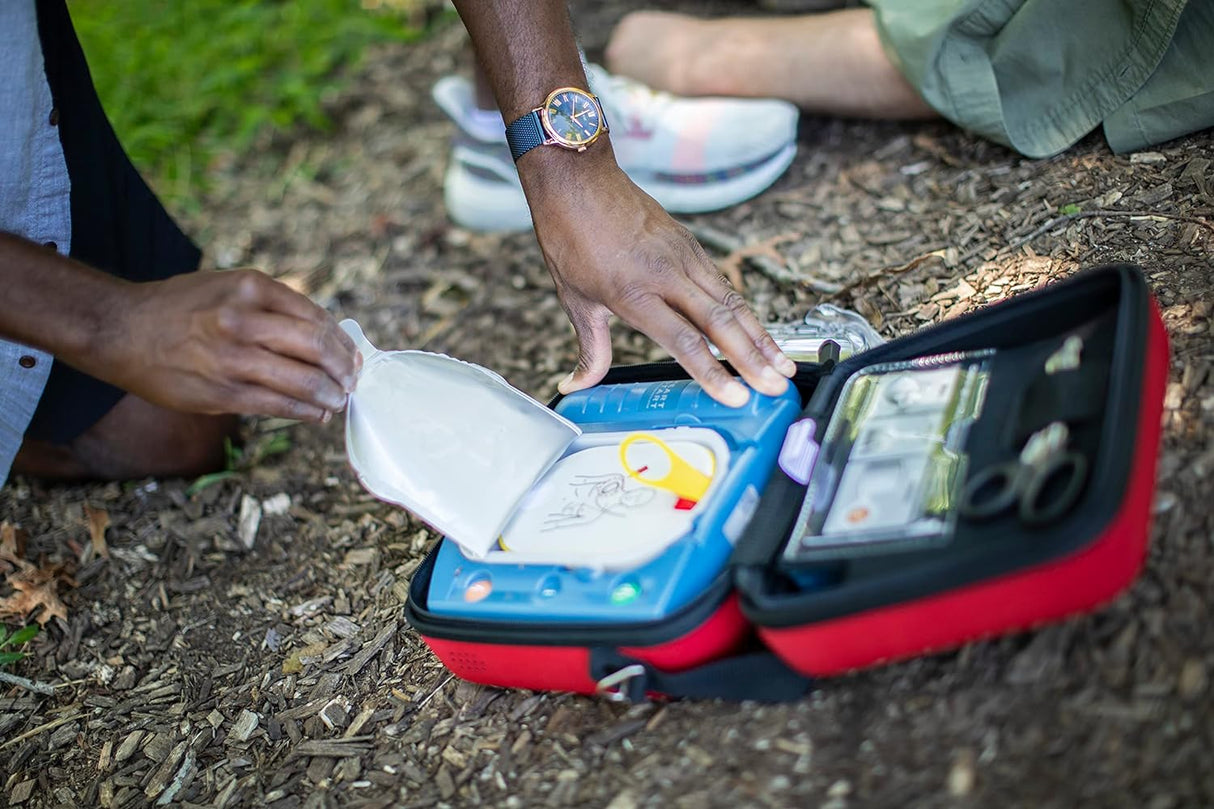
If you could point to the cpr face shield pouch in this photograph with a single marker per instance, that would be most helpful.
(450, 441)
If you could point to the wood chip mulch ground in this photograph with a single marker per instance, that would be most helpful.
(244, 645)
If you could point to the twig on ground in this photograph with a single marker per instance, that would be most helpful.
(712, 238)
(888, 296)
(1062, 220)
(1057, 221)
(29, 734)
(865, 280)
(28, 685)
(427, 698)
(371, 649)
(761, 256)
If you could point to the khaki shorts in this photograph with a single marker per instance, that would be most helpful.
(1038, 75)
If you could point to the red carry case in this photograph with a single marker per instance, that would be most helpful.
(755, 633)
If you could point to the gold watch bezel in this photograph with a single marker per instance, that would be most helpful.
(553, 139)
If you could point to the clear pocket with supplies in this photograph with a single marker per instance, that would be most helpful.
(893, 459)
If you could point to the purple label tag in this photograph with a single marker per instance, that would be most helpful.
(799, 452)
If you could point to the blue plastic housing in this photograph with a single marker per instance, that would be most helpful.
(660, 587)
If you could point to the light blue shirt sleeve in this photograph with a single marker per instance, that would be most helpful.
(35, 201)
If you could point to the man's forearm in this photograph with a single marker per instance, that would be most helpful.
(197, 342)
(527, 49)
(609, 246)
(51, 302)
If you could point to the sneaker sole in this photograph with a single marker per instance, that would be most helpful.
(712, 193)
(493, 205)
(488, 204)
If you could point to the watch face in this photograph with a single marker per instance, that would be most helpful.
(571, 117)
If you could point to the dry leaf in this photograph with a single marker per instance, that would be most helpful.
(12, 549)
(12, 543)
(8, 538)
(297, 659)
(99, 520)
(731, 265)
(36, 588)
(30, 596)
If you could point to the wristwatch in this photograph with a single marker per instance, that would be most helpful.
(570, 118)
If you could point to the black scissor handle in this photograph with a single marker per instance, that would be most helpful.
(1041, 502)
(991, 491)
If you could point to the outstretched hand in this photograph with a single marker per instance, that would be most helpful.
(613, 249)
(227, 342)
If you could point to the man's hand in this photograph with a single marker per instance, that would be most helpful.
(205, 342)
(226, 342)
(611, 248)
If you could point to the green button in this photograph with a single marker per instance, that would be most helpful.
(625, 592)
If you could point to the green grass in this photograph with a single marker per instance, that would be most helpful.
(238, 460)
(185, 81)
(18, 638)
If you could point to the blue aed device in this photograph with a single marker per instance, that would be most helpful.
(747, 441)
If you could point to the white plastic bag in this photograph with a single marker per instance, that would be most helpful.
(450, 441)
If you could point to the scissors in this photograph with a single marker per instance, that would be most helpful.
(684, 480)
(1046, 481)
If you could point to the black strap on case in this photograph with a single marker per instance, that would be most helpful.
(1069, 396)
(757, 676)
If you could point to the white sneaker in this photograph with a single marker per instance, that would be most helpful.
(667, 135)
(692, 155)
(481, 188)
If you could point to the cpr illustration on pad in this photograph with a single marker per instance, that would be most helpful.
(590, 510)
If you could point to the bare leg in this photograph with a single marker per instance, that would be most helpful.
(829, 63)
(135, 439)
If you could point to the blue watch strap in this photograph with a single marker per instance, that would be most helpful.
(524, 134)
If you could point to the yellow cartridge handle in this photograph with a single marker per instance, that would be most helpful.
(683, 479)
